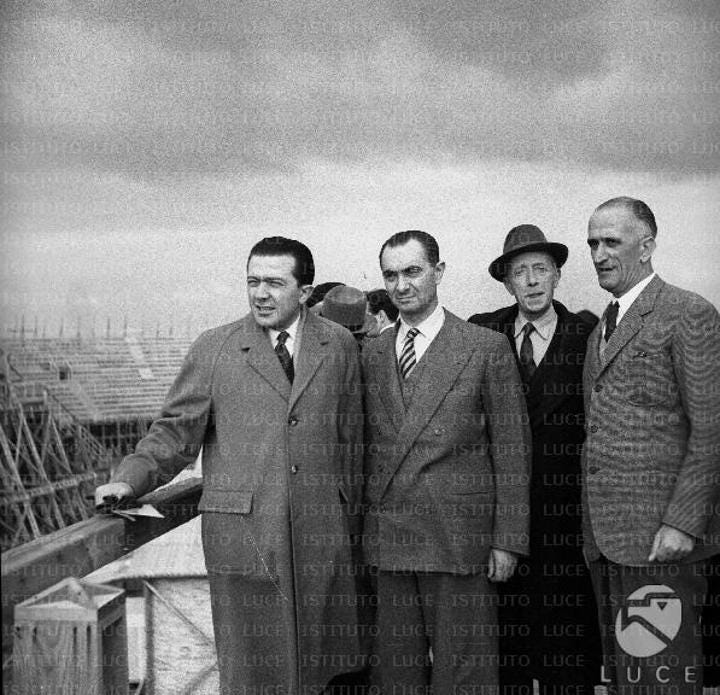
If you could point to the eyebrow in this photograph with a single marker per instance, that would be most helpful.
(414, 266)
(266, 278)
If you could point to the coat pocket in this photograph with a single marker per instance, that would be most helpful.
(226, 501)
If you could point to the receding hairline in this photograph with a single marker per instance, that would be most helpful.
(639, 212)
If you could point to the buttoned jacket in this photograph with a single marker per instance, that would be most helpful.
(447, 453)
(652, 403)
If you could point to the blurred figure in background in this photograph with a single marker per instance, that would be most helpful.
(383, 311)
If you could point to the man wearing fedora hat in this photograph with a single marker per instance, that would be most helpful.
(348, 307)
(548, 611)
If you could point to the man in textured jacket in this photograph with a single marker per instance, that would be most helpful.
(274, 401)
(651, 461)
(547, 613)
(447, 453)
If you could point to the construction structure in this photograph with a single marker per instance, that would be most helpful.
(70, 409)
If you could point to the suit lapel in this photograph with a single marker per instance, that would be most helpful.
(262, 358)
(388, 382)
(441, 365)
(631, 322)
(313, 349)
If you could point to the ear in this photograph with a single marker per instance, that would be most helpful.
(508, 287)
(305, 292)
(558, 275)
(647, 248)
(439, 270)
(382, 318)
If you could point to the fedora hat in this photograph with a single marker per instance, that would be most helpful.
(526, 237)
(348, 307)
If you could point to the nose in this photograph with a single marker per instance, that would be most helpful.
(402, 283)
(261, 291)
(531, 277)
(598, 253)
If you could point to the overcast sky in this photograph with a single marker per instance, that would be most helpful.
(148, 145)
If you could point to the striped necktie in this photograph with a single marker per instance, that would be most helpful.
(407, 356)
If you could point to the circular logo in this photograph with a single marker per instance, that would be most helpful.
(649, 621)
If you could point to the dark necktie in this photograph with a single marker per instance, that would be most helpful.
(284, 356)
(611, 319)
(526, 353)
(407, 356)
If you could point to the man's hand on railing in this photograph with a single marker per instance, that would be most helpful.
(112, 495)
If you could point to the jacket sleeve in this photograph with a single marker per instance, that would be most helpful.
(351, 426)
(696, 361)
(509, 433)
(174, 440)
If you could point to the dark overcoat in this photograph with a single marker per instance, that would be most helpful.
(554, 398)
(281, 471)
(557, 628)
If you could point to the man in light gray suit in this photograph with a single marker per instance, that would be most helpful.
(651, 460)
(447, 457)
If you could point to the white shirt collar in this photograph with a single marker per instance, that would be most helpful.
(292, 331)
(545, 325)
(428, 328)
(625, 302)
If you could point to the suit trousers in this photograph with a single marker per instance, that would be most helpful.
(650, 626)
(436, 634)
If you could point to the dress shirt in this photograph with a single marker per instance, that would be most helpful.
(428, 328)
(292, 331)
(630, 296)
(541, 336)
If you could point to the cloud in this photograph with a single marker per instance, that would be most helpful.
(233, 87)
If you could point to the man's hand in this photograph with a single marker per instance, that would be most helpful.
(117, 490)
(502, 565)
(670, 545)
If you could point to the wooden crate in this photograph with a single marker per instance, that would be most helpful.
(71, 638)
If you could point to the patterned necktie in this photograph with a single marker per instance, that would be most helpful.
(611, 319)
(526, 353)
(407, 356)
(284, 356)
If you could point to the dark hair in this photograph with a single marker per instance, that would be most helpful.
(304, 270)
(380, 300)
(432, 250)
(640, 211)
(319, 292)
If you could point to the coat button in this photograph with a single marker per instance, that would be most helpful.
(593, 428)
(292, 421)
(438, 431)
(293, 469)
(598, 387)
(593, 470)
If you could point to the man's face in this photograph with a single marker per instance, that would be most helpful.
(620, 249)
(411, 280)
(274, 295)
(532, 278)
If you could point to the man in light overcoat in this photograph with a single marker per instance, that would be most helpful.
(274, 401)
(651, 460)
(447, 457)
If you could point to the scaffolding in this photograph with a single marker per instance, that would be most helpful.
(50, 463)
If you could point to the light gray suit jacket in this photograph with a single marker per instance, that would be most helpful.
(447, 453)
(652, 403)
